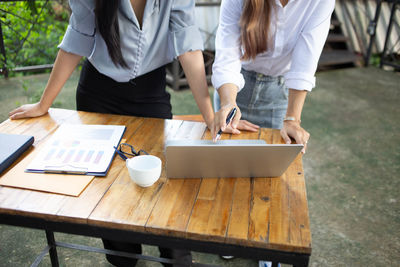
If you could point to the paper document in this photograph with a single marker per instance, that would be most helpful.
(79, 149)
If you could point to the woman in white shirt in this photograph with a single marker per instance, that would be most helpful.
(266, 57)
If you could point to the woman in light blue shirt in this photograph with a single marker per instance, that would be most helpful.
(127, 45)
(124, 72)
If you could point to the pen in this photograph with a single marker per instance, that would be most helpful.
(231, 114)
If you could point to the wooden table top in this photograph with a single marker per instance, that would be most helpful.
(270, 213)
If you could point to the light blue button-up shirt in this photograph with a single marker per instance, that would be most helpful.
(168, 30)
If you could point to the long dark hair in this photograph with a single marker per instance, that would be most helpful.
(254, 24)
(107, 23)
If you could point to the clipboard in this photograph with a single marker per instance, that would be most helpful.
(78, 149)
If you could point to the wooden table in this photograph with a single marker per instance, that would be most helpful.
(260, 218)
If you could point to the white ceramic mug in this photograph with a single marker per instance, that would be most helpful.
(144, 170)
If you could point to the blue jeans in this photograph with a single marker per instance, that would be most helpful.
(262, 101)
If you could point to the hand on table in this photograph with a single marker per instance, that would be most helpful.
(292, 129)
(236, 124)
(27, 111)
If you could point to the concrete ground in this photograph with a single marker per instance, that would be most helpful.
(352, 172)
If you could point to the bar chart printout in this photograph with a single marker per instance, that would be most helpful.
(78, 149)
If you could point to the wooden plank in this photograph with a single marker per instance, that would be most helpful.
(34, 202)
(40, 128)
(55, 115)
(172, 211)
(120, 200)
(279, 207)
(141, 213)
(79, 209)
(266, 135)
(145, 137)
(279, 214)
(190, 130)
(210, 216)
(238, 229)
(264, 212)
(284, 233)
(299, 226)
(193, 117)
(70, 208)
(174, 207)
(260, 211)
(151, 136)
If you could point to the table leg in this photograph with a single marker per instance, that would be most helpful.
(303, 262)
(53, 250)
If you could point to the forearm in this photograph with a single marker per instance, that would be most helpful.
(296, 103)
(227, 94)
(193, 66)
(64, 65)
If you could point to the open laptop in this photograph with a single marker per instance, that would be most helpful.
(228, 158)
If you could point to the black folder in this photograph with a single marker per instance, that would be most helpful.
(11, 147)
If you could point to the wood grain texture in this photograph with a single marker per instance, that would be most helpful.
(139, 202)
(270, 213)
(13, 200)
(211, 211)
(238, 227)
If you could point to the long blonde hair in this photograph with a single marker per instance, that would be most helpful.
(254, 27)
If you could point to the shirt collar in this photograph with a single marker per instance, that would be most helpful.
(278, 2)
(127, 10)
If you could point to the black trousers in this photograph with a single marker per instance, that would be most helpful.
(144, 96)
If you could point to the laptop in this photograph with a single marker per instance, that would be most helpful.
(228, 158)
(11, 147)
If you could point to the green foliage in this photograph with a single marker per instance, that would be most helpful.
(31, 31)
(37, 94)
(375, 60)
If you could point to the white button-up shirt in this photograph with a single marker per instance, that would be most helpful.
(168, 31)
(298, 30)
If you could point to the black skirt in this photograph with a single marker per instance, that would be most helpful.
(144, 96)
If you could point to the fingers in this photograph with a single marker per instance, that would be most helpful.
(304, 148)
(302, 138)
(15, 111)
(220, 121)
(295, 131)
(18, 115)
(230, 129)
(285, 137)
(27, 111)
(247, 126)
(236, 119)
(212, 129)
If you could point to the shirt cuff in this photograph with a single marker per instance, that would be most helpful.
(77, 43)
(299, 81)
(219, 80)
(185, 40)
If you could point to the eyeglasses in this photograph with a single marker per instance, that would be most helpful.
(123, 149)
